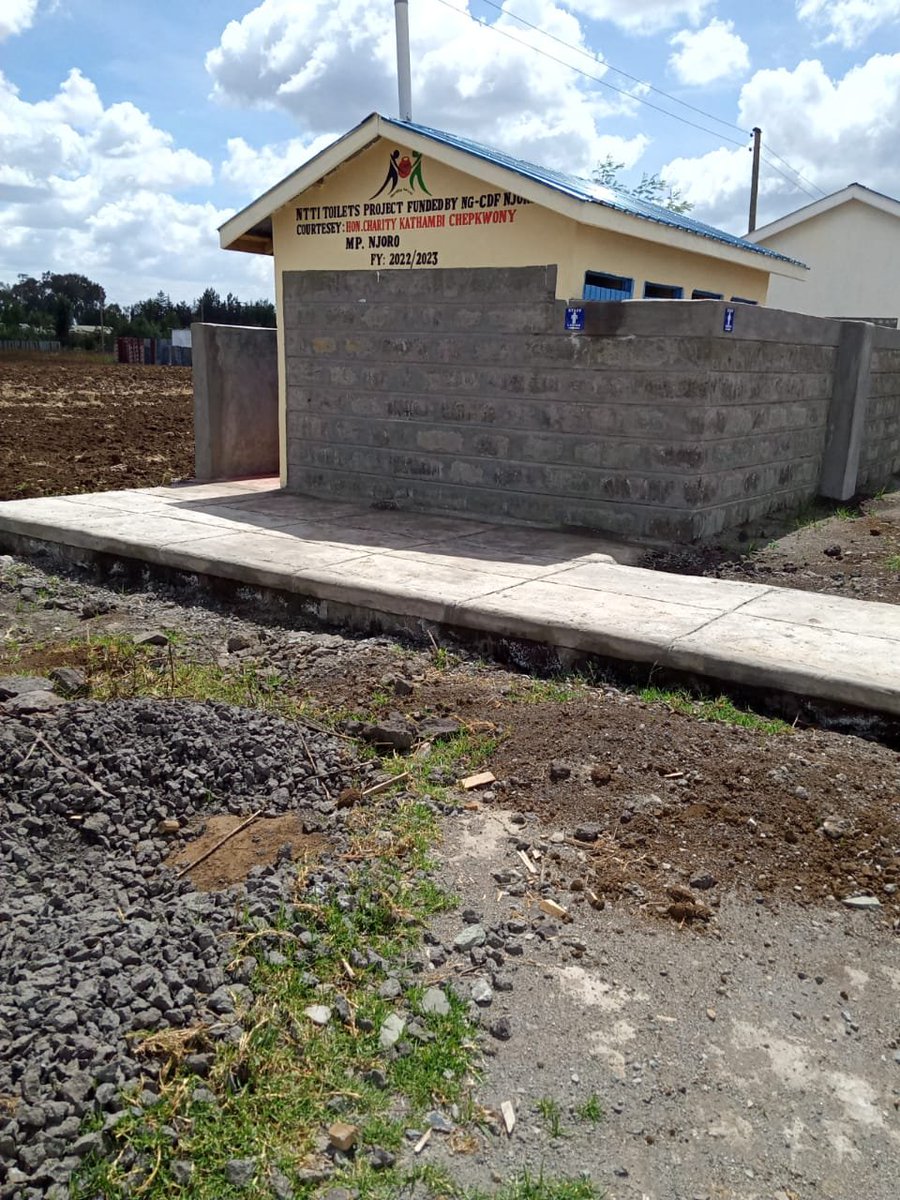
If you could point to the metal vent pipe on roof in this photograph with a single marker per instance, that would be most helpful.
(404, 79)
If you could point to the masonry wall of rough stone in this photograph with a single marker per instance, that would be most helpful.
(461, 391)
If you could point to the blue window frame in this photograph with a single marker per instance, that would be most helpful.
(742, 300)
(699, 294)
(599, 286)
(662, 291)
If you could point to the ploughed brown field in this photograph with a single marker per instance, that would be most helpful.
(71, 424)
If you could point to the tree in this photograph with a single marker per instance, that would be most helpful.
(652, 188)
(62, 318)
(55, 302)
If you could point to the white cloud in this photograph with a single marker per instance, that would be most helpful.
(642, 16)
(833, 131)
(849, 22)
(253, 171)
(16, 16)
(93, 189)
(329, 65)
(708, 54)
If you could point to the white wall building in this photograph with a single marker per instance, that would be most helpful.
(851, 243)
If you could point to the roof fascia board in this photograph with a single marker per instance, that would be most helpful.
(298, 181)
(810, 211)
(596, 215)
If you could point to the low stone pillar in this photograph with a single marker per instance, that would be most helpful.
(235, 401)
(847, 412)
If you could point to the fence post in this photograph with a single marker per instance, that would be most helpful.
(847, 411)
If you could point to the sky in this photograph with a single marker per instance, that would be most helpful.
(129, 132)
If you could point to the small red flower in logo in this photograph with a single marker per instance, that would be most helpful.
(404, 166)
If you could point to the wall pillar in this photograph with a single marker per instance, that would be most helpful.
(235, 401)
(847, 412)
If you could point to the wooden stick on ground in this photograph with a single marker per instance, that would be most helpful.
(312, 762)
(221, 842)
(385, 784)
(60, 758)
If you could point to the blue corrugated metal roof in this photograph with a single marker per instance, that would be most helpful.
(591, 192)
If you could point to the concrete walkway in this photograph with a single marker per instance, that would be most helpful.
(561, 589)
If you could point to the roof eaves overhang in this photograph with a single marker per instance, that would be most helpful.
(594, 214)
(818, 208)
(255, 221)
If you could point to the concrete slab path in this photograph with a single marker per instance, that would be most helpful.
(571, 591)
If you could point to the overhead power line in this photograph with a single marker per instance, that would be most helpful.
(793, 182)
(594, 78)
(802, 178)
(630, 95)
(618, 70)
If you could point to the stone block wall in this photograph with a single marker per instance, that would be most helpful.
(460, 391)
(235, 377)
(880, 457)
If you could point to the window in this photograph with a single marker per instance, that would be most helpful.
(699, 294)
(741, 300)
(662, 291)
(598, 286)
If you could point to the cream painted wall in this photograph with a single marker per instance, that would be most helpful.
(516, 233)
(853, 253)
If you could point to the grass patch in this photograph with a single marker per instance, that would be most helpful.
(591, 1109)
(819, 511)
(443, 659)
(536, 1187)
(540, 691)
(720, 709)
(118, 668)
(551, 1114)
(893, 563)
(278, 1088)
(424, 774)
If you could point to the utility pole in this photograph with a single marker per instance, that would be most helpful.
(404, 80)
(754, 182)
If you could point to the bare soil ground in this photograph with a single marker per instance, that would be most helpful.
(840, 550)
(256, 845)
(845, 554)
(672, 797)
(708, 1018)
(75, 425)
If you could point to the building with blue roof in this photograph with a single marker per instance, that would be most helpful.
(430, 291)
(393, 194)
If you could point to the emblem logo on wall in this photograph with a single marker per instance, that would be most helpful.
(404, 174)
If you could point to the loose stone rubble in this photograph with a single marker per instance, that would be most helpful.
(101, 944)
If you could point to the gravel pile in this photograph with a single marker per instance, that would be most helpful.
(98, 939)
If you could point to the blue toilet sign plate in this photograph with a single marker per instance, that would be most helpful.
(574, 320)
(728, 323)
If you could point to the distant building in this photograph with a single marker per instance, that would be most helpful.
(851, 242)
